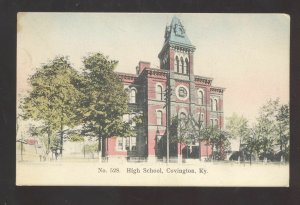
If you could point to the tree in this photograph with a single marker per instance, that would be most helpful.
(283, 130)
(199, 131)
(90, 149)
(273, 129)
(105, 101)
(237, 128)
(219, 141)
(53, 98)
(181, 131)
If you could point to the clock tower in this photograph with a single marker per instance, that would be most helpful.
(176, 56)
(177, 52)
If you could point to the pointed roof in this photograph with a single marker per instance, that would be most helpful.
(175, 34)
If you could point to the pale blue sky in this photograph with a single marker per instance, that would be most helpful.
(248, 54)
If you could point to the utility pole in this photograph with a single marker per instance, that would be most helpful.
(168, 94)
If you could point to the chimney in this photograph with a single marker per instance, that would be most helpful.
(142, 66)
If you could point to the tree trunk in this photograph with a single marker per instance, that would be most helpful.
(61, 139)
(103, 149)
(49, 136)
(250, 157)
(180, 148)
(99, 143)
(200, 150)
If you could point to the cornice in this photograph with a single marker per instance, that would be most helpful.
(217, 89)
(203, 80)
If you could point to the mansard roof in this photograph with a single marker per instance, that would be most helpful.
(175, 34)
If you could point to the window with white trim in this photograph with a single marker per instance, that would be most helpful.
(133, 96)
(200, 97)
(159, 92)
(215, 104)
(182, 65)
(121, 144)
(216, 124)
(186, 66)
(159, 117)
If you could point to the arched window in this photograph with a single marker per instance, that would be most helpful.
(133, 96)
(177, 64)
(211, 122)
(215, 104)
(159, 117)
(200, 97)
(211, 105)
(159, 92)
(186, 66)
(182, 65)
(216, 124)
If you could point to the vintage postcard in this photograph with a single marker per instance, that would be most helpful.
(153, 99)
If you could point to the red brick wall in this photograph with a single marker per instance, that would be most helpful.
(143, 65)
(152, 114)
(152, 86)
(205, 149)
(112, 148)
(151, 142)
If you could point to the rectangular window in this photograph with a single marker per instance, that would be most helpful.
(130, 143)
(120, 143)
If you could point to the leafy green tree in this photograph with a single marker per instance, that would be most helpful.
(199, 131)
(76, 138)
(253, 144)
(219, 141)
(90, 149)
(272, 130)
(283, 130)
(237, 127)
(53, 98)
(181, 131)
(105, 101)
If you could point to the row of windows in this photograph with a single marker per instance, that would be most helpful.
(181, 66)
(159, 96)
(182, 115)
(213, 102)
(126, 143)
